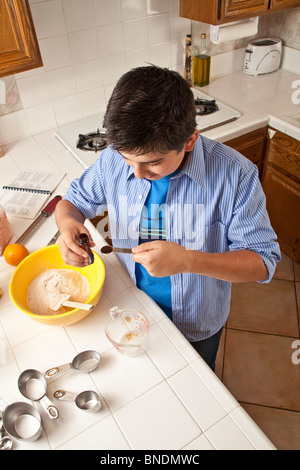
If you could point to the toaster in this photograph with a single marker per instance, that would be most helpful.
(262, 56)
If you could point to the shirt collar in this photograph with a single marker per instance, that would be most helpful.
(130, 171)
(193, 167)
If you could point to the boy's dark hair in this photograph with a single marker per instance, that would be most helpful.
(151, 110)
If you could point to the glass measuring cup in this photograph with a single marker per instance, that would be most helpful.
(127, 330)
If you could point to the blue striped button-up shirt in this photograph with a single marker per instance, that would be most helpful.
(214, 204)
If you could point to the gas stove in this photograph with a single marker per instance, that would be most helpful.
(93, 141)
(212, 113)
(69, 136)
(85, 139)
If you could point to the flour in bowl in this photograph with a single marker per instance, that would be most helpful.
(52, 286)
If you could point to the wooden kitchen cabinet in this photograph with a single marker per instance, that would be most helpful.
(223, 11)
(229, 9)
(252, 145)
(283, 4)
(19, 49)
(281, 184)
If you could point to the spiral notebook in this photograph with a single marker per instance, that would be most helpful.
(26, 195)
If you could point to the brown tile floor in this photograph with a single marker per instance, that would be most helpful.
(257, 361)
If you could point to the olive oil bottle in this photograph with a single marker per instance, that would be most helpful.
(201, 63)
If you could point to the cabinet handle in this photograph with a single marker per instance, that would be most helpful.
(271, 133)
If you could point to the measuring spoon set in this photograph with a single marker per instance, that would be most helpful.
(22, 421)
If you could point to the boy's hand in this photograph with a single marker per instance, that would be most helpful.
(160, 258)
(71, 252)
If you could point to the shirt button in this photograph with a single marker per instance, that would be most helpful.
(140, 196)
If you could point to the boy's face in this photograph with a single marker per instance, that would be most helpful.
(155, 167)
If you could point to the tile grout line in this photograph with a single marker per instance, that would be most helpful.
(263, 333)
(297, 300)
(269, 407)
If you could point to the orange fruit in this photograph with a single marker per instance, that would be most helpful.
(15, 253)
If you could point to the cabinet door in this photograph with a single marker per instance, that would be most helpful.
(284, 154)
(282, 4)
(206, 11)
(225, 11)
(283, 206)
(281, 184)
(19, 48)
(234, 8)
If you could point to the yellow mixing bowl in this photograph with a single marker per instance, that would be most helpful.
(47, 258)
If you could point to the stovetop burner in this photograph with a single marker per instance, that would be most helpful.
(68, 134)
(94, 141)
(204, 107)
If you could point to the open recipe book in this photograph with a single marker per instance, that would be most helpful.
(26, 195)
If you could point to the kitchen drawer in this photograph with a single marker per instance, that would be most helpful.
(284, 154)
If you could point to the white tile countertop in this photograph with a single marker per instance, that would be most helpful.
(166, 397)
(271, 99)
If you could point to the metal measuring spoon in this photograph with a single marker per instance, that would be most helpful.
(86, 361)
(86, 401)
(109, 249)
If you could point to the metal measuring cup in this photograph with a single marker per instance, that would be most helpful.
(6, 442)
(87, 400)
(12, 416)
(39, 395)
(86, 361)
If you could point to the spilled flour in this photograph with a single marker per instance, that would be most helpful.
(52, 286)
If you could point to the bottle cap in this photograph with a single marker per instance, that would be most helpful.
(188, 40)
(203, 36)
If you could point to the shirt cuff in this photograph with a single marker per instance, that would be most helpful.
(270, 264)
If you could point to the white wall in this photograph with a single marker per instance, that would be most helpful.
(86, 45)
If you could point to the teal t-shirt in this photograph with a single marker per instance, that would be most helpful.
(153, 227)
